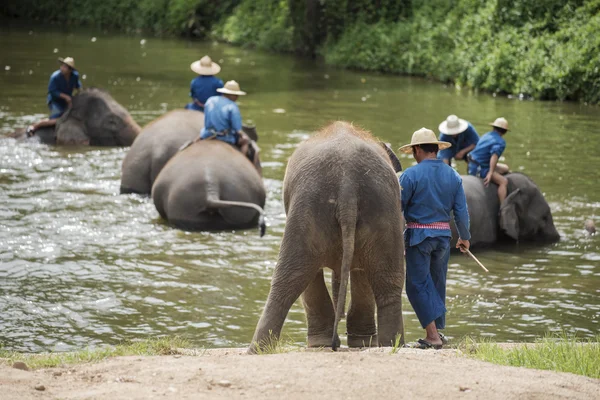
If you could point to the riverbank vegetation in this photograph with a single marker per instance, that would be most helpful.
(150, 347)
(555, 353)
(545, 49)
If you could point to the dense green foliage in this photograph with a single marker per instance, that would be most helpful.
(547, 49)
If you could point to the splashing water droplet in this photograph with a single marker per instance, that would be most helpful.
(7, 68)
(138, 79)
(55, 50)
(143, 42)
(94, 39)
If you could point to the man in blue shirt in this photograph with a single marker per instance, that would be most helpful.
(483, 160)
(205, 85)
(223, 120)
(430, 191)
(60, 93)
(461, 135)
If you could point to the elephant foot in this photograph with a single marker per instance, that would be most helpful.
(355, 340)
(322, 341)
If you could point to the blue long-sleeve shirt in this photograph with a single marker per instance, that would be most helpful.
(221, 115)
(58, 84)
(459, 142)
(205, 86)
(489, 144)
(430, 191)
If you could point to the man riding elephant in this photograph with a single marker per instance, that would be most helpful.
(205, 85)
(60, 93)
(461, 135)
(223, 120)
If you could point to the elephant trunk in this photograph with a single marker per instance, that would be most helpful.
(347, 221)
(224, 203)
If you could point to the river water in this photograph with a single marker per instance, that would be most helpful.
(81, 265)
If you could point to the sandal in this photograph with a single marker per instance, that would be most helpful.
(424, 345)
(443, 338)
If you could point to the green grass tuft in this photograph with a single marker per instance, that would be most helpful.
(150, 347)
(561, 353)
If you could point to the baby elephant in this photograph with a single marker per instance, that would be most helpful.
(342, 200)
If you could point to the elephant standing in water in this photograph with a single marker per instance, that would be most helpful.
(94, 119)
(342, 200)
(210, 185)
(524, 217)
(156, 144)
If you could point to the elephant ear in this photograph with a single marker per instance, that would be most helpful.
(250, 130)
(393, 158)
(509, 214)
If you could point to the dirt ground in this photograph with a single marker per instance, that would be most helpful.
(230, 374)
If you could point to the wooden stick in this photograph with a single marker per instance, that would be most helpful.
(475, 258)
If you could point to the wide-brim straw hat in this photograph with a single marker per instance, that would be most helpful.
(205, 66)
(500, 123)
(423, 136)
(231, 87)
(68, 61)
(453, 125)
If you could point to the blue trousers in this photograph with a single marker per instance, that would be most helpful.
(194, 106)
(477, 170)
(426, 269)
(56, 109)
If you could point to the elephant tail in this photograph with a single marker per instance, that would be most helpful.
(347, 220)
(224, 203)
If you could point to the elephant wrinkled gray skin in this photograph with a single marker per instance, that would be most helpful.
(525, 215)
(342, 200)
(210, 185)
(94, 119)
(156, 144)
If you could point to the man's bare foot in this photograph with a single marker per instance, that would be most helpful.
(30, 131)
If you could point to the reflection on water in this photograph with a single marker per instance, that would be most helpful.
(82, 265)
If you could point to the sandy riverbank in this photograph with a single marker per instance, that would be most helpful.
(230, 374)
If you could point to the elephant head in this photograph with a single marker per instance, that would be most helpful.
(95, 118)
(525, 215)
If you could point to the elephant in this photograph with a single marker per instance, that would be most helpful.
(342, 200)
(525, 215)
(210, 185)
(94, 119)
(157, 143)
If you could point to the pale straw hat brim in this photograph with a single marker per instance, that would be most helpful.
(498, 126)
(66, 62)
(203, 70)
(407, 148)
(234, 92)
(462, 126)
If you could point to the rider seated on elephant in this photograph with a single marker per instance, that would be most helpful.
(461, 135)
(205, 85)
(223, 120)
(483, 160)
(60, 93)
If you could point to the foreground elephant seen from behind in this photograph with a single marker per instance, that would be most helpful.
(94, 119)
(210, 186)
(525, 215)
(342, 201)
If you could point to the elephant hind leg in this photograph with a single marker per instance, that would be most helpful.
(292, 276)
(361, 328)
(320, 314)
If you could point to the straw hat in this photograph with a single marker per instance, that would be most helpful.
(453, 125)
(205, 66)
(68, 61)
(231, 87)
(423, 136)
(500, 123)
